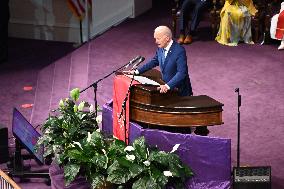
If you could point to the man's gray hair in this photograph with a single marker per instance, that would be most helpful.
(164, 30)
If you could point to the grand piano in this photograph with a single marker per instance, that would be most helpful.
(153, 109)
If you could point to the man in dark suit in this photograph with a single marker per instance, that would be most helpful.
(190, 9)
(171, 57)
(4, 19)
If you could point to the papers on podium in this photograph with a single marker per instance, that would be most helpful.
(143, 80)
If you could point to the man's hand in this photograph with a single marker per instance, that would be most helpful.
(129, 72)
(163, 88)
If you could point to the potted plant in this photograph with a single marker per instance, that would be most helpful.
(72, 137)
(143, 167)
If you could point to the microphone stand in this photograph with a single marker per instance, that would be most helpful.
(237, 90)
(123, 109)
(95, 85)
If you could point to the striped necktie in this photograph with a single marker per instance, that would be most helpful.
(163, 55)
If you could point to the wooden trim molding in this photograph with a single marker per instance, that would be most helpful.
(6, 179)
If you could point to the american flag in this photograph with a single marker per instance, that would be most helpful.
(78, 7)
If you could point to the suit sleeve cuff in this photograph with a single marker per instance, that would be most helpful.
(167, 86)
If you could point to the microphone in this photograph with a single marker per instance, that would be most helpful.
(141, 59)
(237, 90)
(132, 61)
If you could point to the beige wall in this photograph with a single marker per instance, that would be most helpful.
(52, 19)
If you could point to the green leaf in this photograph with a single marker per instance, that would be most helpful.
(161, 179)
(97, 139)
(75, 108)
(116, 149)
(140, 151)
(70, 172)
(74, 94)
(146, 182)
(117, 174)
(76, 154)
(186, 172)
(161, 157)
(124, 162)
(97, 180)
(178, 184)
(155, 171)
(100, 161)
(136, 169)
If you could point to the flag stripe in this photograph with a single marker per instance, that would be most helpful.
(74, 9)
(82, 8)
(77, 7)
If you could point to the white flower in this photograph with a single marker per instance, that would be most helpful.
(114, 137)
(61, 104)
(130, 157)
(55, 148)
(175, 148)
(91, 108)
(57, 159)
(168, 173)
(99, 118)
(89, 137)
(47, 131)
(104, 151)
(78, 144)
(65, 134)
(148, 153)
(81, 106)
(147, 163)
(129, 148)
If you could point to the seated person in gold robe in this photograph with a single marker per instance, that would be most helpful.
(235, 23)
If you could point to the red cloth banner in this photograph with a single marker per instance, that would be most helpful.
(280, 26)
(120, 87)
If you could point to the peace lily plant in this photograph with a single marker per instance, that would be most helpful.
(143, 167)
(71, 135)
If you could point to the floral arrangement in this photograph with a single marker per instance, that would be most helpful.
(71, 135)
(142, 167)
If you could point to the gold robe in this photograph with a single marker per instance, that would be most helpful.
(235, 23)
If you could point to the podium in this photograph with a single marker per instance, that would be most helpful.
(149, 106)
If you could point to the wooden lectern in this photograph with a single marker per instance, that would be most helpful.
(148, 106)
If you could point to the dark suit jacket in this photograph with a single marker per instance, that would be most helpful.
(174, 69)
(4, 19)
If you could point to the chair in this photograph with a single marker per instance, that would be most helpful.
(271, 9)
(257, 21)
(214, 14)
